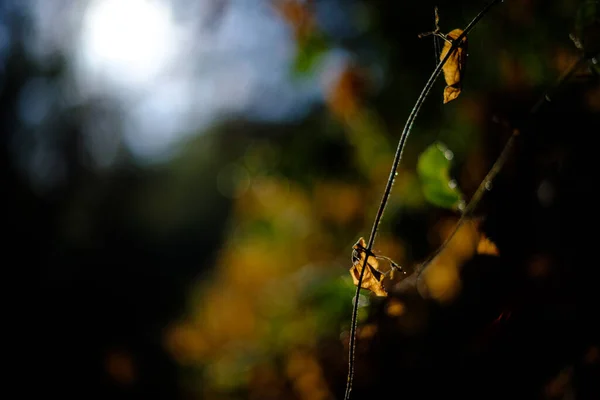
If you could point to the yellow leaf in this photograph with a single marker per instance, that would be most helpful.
(468, 240)
(441, 278)
(454, 68)
(372, 278)
(486, 246)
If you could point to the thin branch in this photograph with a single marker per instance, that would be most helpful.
(411, 119)
(388, 189)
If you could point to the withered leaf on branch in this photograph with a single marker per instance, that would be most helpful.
(372, 278)
(454, 69)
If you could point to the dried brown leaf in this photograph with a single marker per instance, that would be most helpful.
(372, 278)
(454, 69)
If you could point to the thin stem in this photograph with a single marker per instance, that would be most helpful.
(392, 263)
(501, 160)
(411, 119)
(388, 189)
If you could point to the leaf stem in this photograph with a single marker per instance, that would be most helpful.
(388, 189)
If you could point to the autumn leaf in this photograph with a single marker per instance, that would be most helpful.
(345, 96)
(297, 14)
(470, 239)
(372, 278)
(454, 69)
(442, 278)
(486, 246)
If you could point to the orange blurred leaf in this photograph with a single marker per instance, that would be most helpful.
(454, 68)
(297, 14)
(486, 246)
(469, 238)
(442, 279)
(345, 97)
(395, 308)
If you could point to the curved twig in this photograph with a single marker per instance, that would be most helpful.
(390, 183)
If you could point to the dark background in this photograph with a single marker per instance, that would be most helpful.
(102, 285)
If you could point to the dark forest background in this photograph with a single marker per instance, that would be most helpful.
(221, 271)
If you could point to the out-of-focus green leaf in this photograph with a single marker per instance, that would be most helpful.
(433, 168)
(309, 52)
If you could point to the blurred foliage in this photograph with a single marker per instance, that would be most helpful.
(310, 51)
(224, 272)
(311, 42)
(441, 279)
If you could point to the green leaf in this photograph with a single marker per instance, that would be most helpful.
(438, 187)
(309, 52)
